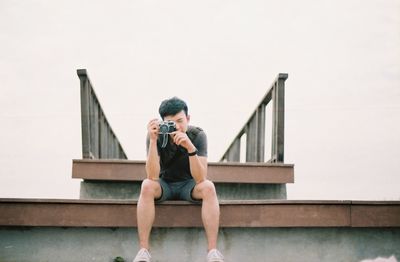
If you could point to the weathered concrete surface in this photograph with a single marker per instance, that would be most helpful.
(225, 191)
(109, 190)
(189, 245)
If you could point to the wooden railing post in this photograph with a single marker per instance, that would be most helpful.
(278, 115)
(98, 139)
(234, 152)
(85, 114)
(255, 128)
(251, 140)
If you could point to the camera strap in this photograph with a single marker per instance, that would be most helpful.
(165, 141)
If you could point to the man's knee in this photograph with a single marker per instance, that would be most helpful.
(149, 188)
(207, 189)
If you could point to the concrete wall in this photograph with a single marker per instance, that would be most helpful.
(225, 191)
(189, 245)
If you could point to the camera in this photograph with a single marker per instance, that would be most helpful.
(167, 127)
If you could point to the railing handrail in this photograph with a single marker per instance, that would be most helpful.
(98, 138)
(255, 128)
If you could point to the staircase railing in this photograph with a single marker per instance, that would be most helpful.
(254, 129)
(98, 138)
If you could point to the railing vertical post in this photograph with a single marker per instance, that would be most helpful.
(251, 137)
(109, 144)
(278, 118)
(95, 128)
(85, 113)
(260, 133)
(103, 136)
(233, 154)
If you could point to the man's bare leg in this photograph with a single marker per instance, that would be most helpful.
(146, 210)
(209, 211)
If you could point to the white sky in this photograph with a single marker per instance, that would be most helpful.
(342, 121)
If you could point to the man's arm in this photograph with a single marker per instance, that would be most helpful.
(198, 167)
(198, 164)
(153, 160)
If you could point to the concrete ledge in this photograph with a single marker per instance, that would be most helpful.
(130, 190)
(272, 213)
(86, 230)
(189, 244)
(128, 170)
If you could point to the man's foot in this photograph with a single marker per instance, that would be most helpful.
(215, 256)
(144, 256)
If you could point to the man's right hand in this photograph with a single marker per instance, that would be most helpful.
(153, 129)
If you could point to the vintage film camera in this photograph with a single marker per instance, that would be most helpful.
(166, 128)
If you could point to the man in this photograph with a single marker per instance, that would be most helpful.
(177, 169)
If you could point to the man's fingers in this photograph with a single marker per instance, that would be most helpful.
(179, 138)
(175, 137)
(152, 122)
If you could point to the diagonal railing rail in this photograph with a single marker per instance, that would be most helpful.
(254, 129)
(98, 138)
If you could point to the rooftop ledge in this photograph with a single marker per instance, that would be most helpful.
(257, 213)
(220, 172)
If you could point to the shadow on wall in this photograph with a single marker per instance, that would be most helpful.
(381, 259)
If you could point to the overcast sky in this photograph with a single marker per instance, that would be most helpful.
(342, 121)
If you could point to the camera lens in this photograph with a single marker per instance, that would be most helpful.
(163, 129)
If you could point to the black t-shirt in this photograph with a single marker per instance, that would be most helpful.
(174, 161)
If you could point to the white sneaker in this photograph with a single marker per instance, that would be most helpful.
(143, 256)
(215, 256)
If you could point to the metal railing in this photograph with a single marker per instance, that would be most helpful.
(98, 139)
(254, 129)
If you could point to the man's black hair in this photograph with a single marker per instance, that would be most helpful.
(172, 106)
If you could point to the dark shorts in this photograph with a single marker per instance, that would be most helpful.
(181, 190)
